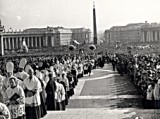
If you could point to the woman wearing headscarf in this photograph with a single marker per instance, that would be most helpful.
(14, 98)
(32, 89)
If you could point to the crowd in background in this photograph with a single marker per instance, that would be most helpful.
(30, 86)
(144, 72)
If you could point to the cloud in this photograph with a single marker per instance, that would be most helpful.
(3, 14)
(18, 18)
(37, 15)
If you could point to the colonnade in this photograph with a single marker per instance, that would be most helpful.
(15, 42)
(149, 35)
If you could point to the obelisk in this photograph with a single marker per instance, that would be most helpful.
(94, 25)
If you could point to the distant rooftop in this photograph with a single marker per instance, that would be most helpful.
(133, 26)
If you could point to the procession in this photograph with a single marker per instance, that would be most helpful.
(30, 87)
(79, 59)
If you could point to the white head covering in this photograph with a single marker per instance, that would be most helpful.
(22, 63)
(9, 67)
(27, 68)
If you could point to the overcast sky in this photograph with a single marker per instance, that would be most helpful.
(21, 14)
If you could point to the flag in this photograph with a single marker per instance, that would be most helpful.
(76, 42)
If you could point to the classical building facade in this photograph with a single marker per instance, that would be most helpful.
(150, 32)
(81, 35)
(138, 32)
(42, 37)
(128, 33)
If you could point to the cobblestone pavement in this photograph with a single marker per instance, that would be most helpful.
(104, 95)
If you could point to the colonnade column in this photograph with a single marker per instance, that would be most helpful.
(32, 42)
(16, 42)
(147, 39)
(9, 43)
(52, 41)
(13, 43)
(2, 44)
(27, 42)
(20, 42)
(142, 37)
(46, 41)
(5, 43)
(39, 41)
(156, 36)
(35, 42)
(151, 36)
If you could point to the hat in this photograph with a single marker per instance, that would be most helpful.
(22, 63)
(9, 67)
(27, 68)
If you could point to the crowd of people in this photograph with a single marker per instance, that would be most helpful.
(144, 72)
(31, 86)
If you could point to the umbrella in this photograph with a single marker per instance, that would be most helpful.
(92, 47)
(72, 47)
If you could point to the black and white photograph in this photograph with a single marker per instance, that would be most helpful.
(79, 59)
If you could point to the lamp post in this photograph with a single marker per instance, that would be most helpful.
(1, 38)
